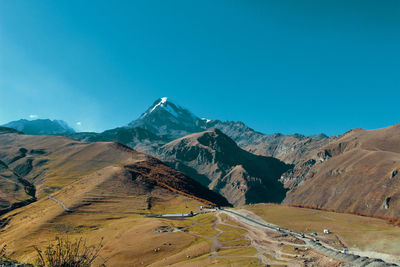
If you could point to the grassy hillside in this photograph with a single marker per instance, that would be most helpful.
(356, 232)
(358, 172)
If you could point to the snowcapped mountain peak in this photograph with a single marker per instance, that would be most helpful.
(164, 105)
(166, 118)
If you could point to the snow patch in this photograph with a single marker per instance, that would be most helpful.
(207, 120)
(163, 100)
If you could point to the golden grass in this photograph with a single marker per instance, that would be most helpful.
(223, 216)
(205, 260)
(356, 231)
(227, 228)
(178, 204)
(205, 218)
(203, 229)
(228, 236)
(240, 261)
(129, 239)
(291, 249)
(230, 222)
(241, 242)
(273, 259)
(238, 252)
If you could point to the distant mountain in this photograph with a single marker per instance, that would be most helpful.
(171, 121)
(137, 138)
(215, 160)
(357, 172)
(41, 127)
(288, 148)
(168, 120)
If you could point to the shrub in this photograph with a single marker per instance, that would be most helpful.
(67, 253)
(3, 251)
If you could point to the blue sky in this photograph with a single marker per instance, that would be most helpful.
(279, 66)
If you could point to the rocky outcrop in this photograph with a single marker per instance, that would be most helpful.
(217, 162)
(291, 149)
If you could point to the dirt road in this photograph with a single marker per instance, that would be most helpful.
(351, 258)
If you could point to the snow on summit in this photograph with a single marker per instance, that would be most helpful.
(163, 100)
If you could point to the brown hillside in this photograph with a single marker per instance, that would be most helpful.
(357, 172)
(36, 166)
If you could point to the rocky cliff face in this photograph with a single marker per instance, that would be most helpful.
(291, 149)
(171, 121)
(214, 159)
(356, 172)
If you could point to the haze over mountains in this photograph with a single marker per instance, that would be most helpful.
(246, 166)
(41, 127)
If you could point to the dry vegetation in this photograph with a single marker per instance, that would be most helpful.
(67, 253)
(356, 232)
(394, 221)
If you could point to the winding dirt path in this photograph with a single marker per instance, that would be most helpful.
(60, 203)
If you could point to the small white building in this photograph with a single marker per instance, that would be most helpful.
(326, 231)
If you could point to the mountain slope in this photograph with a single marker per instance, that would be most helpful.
(291, 149)
(4, 130)
(136, 138)
(34, 166)
(215, 160)
(357, 172)
(41, 127)
(171, 121)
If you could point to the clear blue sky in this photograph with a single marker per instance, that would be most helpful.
(279, 66)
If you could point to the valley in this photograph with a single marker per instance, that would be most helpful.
(153, 189)
(212, 238)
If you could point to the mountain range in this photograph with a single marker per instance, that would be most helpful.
(41, 127)
(246, 166)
